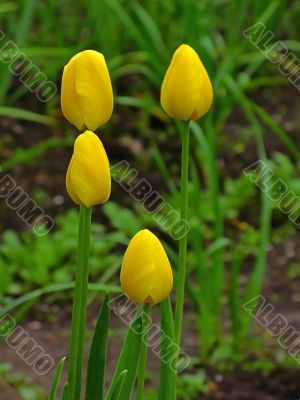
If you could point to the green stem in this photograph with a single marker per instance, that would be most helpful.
(79, 305)
(181, 276)
(143, 354)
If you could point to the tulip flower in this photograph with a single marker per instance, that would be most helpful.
(186, 92)
(88, 178)
(146, 274)
(86, 92)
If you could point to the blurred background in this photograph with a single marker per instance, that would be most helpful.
(250, 50)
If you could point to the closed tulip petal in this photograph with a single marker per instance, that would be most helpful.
(186, 91)
(86, 94)
(146, 274)
(94, 89)
(69, 185)
(69, 103)
(88, 178)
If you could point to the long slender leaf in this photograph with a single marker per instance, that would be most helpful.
(277, 129)
(65, 395)
(35, 294)
(24, 27)
(53, 390)
(118, 386)
(97, 360)
(235, 305)
(26, 115)
(128, 359)
(167, 384)
(29, 154)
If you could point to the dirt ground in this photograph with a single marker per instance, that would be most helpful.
(53, 336)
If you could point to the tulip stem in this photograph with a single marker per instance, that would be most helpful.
(143, 353)
(79, 305)
(181, 275)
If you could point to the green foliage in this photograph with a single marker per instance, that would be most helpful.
(55, 383)
(28, 261)
(17, 380)
(98, 354)
(122, 384)
(191, 387)
(167, 382)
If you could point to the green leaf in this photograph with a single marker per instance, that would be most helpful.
(128, 360)
(97, 360)
(167, 384)
(35, 294)
(118, 386)
(56, 379)
(26, 115)
(65, 395)
(28, 155)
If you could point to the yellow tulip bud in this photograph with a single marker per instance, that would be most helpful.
(86, 91)
(146, 274)
(88, 177)
(186, 92)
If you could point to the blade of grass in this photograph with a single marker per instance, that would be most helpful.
(256, 279)
(118, 386)
(152, 30)
(204, 299)
(208, 151)
(66, 395)
(234, 299)
(30, 154)
(53, 390)
(35, 294)
(167, 381)
(135, 32)
(279, 132)
(97, 359)
(128, 359)
(24, 24)
(26, 115)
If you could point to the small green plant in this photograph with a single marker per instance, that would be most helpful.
(16, 382)
(191, 386)
(29, 261)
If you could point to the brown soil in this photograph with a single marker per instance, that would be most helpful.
(280, 384)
